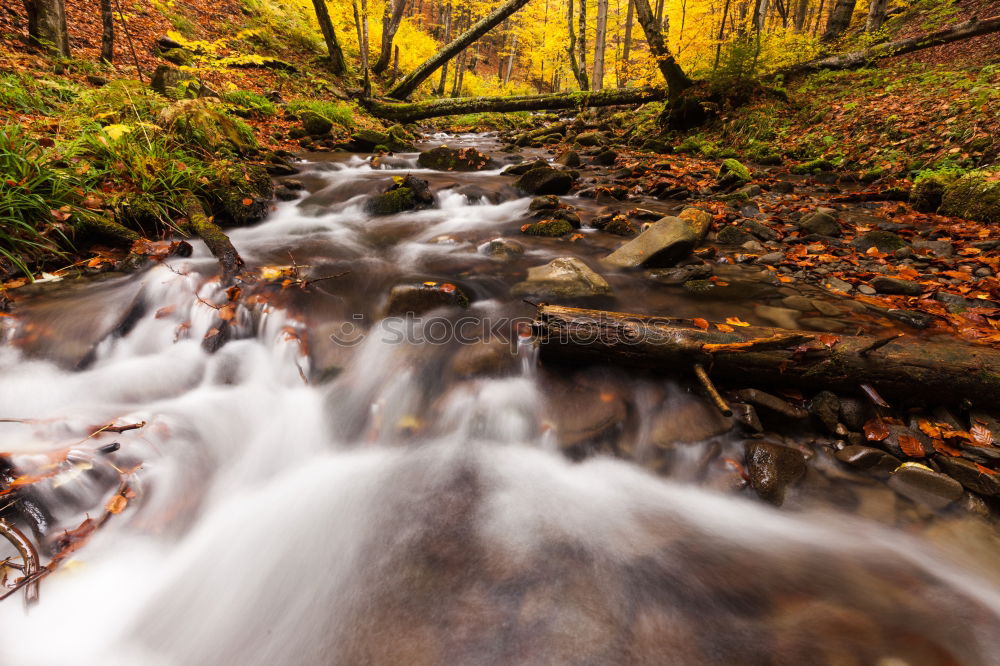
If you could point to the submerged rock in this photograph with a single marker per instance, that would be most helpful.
(662, 245)
(567, 277)
(553, 227)
(523, 168)
(820, 222)
(925, 486)
(772, 468)
(502, 248)
(866, 457)
(444, 158)
(417, 299)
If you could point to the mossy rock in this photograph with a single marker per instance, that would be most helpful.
(545, 180)
(812, 166)
(733, 174)
(618, 225)
(365, 141)
(883, 241)
(315, 124)
(241, 193)
(444, 158)
(551, 227)
(178, 56)
(407, 193)
(655, 146)
(203, 124)
(974, 196)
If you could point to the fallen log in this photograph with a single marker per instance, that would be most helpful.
(964, 30)
(216, 239)
(404, 112)
(906, 368)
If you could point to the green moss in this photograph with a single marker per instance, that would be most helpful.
(240, 193)
(553, 228)
(974, 196)
(340, 114)
(929, 186)
(733, 173)
(699, 286)
(392, 202)
(203, 124)
(812, 166)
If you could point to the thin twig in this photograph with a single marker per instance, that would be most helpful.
(128, 36)
(713, 392)
(29, 560)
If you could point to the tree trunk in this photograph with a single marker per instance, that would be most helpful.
(905, 368)
(840, 19)
(722, 34)
(581, 41)
(216, 239)
(107, 32)
(955, 33)
(361, 23)
(627, 42)
(876, 14)
(819, 16)
(800, 15)
(405, 88)
(405, 112)
(390, 24)
(510, 59)
(677, 80)
(337, 63)
(600, 38)
(580, 74)
(47, 25)
(447, 36)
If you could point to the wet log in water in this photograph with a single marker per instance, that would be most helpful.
(216, 239)
(905, 367)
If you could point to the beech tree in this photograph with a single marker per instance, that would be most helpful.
(391, 19)
(840, 19)
(47, 25)
(337, 63)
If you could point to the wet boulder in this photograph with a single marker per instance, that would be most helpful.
(417, 299)
(925, 486)
(590, 139)
(566, 277)
(605, 158)
(241, 193)
(406, 193)
(699, 220)
(444, 158)
(551, 226)
(545, 180)
(523, 168)
(366, 141)
(502, 249)
(617, 224)
(772, 468)
(570, 158)
(866, 457)
(484, 358)
(976, 478)
(662, 245)
(928, 190)
(315, 124)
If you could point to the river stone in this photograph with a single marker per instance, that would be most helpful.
(883, 241)
(662, 245)
(444, 158)
(772, 468)
(780, 317)
(821, 223)
(502, 248)
(482, 358)
(605, 158)
(685, 418)
(699, 220)
(546, 202)
(417, 299)
(570, 158)
(566, 277)
(680, 274)
(545, 180)
(974, 477)
(523, 168)
(866, 457)
(925, 486)
(732, 235)
(941, 248)
(589, 139)
(771, 258)
(410, 193)
(890, 285)
(825, 406)
(760, 231)
(797, 302)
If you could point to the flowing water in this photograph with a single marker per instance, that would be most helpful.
(404, 497)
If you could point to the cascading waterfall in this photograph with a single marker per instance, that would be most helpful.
(392, 511)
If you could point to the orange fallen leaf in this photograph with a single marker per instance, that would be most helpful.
(724, 328)
(247, 201)
(736, 321)
(700, 323)
(981, 435)
(829, 340)
(911, 446)
(876, 430)
(116, 504)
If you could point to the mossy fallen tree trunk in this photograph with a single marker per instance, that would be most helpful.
(960, 31)
(905, 367)
(216, 240)
(412, 111)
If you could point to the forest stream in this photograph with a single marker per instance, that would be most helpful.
(315, 482)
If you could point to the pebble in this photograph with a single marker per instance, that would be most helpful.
(771, 258)
(866, 457)
(772, 468)
(971, 475)
(866, 290)
(890, 285)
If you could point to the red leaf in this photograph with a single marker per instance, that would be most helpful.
(876, 430)
(911, 446)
